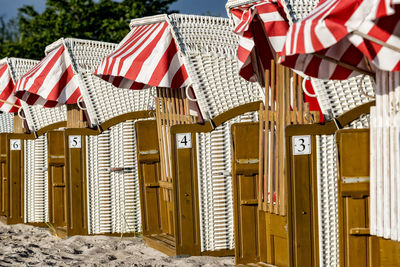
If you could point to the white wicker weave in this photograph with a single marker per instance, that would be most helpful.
(36, 180)
(334, 97)
(37, 117)
(215, 185)
(102, 99)
(385, 157)
(295, 10)
(207, 47)
(113, 197)
(6, 122)
(327, 200)
(337, 97)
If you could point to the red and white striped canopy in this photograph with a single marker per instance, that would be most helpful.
(340, 31)
(51, 82)
(147, 56)
(7, 98)
(262, 28)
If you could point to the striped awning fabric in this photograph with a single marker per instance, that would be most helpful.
(7, 98)
(262, 28)
(147, 56)
(340, 32)
(51, 82)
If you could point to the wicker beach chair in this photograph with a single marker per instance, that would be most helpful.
(113, 198)
(334, 98)
(35, 151)
(206, 49)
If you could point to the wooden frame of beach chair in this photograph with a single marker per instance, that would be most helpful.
(191, 188)
(6, 126)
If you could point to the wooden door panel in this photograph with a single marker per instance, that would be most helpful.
(4, 187)
(3, 173)
(15, 213)
(57, 196)
(245, 190)
(355, 242)
(57, 181)
(356, 212)
(152, 198)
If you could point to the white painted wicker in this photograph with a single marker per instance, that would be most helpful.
(295, 10)
(337, 97)
(36, 180)
(207, 47)
(6, 122)
(102, 99)
(37, 117)
(327, 200)
(385, 157)
(334, 97)
(215, 185)
(113, 196)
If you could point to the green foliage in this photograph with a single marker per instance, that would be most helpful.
(104, 20)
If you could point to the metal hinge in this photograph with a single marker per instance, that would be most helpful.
(354, 180)
(247, 161)
(148, 152)
(120, 169)
(359, 231)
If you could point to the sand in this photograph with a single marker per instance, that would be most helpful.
(24, 245)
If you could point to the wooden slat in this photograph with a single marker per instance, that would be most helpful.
(271, 149)
(172, 108)
(284, 105)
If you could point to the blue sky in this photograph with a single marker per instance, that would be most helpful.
(8, 8)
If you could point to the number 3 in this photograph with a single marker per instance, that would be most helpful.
(301, 144)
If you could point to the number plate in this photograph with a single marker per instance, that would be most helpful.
(15, 144)
(301, 144)
(184, 140)
(75, 141)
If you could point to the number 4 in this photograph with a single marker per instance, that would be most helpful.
(184, 141)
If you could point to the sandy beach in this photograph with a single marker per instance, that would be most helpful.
(24, 245)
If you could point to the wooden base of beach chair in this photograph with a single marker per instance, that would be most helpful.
(162, 242)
